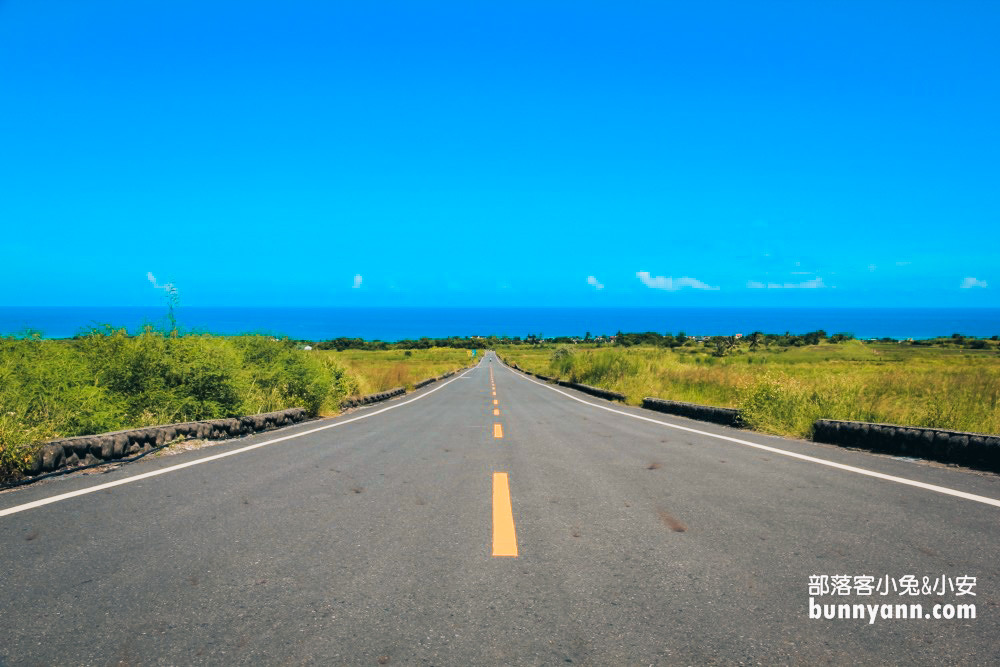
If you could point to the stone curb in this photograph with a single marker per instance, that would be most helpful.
(357, 401)
(86, 450)
(593, 391)
(975, 450)
(707, 413)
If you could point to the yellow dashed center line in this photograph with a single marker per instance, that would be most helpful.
(496, 412)
(495, 402)
(497, 430)
(504, 537)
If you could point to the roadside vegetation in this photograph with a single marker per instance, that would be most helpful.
(376, 370)
(106, 379)
(783, 384)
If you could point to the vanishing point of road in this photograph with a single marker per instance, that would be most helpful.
(494, 520)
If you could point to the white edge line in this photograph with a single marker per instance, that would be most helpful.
(179, 466)
(775, 450)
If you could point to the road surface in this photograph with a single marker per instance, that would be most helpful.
(494, 520)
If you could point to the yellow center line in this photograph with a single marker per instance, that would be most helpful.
(504, 537)
(496, 412)
(497, 431)
(495, 402)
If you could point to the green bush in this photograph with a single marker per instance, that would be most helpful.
(106, 380)
(561, 361)
(769, 403)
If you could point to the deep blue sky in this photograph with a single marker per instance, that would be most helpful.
(572, 153)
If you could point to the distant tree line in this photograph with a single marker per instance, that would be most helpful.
(720, 345)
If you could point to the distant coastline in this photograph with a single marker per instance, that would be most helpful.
(392, 324)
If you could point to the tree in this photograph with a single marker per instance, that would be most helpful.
(814, 337)
(173, 300)
(723, 344)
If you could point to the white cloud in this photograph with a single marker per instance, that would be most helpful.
(971, 282)
(815, 283)
(591, 280)
(357, 281)
(668, 283)
(169, 287)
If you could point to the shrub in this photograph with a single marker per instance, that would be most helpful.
(561, 361)
(771, 403)
(105, 380)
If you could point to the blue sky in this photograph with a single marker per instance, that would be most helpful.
(571, 153)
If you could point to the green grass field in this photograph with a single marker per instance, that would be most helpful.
(385, 369)
(108, 380)
(783, 390)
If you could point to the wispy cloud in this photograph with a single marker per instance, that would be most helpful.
(815, 283)
(357, 281)
(970, 283)
(591, 280)
(669, 283)
(168, 288)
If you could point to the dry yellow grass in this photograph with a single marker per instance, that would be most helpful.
(380, 370)
(784, 391)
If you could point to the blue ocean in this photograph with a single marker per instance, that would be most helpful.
(392, 324)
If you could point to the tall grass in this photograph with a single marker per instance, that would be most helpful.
(107, 380)
(785, 390)
(385, 369)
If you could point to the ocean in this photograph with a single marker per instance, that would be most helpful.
(392, 324)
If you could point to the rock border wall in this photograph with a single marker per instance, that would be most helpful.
(424, 383)
(707, 413)
(86, 450)
(358, 401)
(975, 450)
(593, 391)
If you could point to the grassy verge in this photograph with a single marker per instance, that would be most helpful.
(107, 380)
(377, 371)
(783, 390)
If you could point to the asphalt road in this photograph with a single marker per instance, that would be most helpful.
(372, 541)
